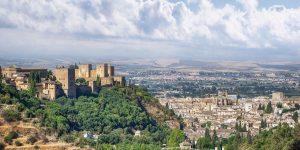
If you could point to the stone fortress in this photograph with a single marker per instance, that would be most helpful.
(105, 72)
(63, 81)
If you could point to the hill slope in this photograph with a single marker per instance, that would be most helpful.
(119, 116)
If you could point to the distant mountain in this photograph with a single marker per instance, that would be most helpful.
(137, 64)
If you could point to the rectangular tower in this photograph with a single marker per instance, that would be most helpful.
(277, 96)
(84, 71)
(111, 70)
(102, 70)
(66, 76)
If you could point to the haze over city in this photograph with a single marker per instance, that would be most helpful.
(208, 30)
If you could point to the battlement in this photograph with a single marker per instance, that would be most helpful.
(63, 81)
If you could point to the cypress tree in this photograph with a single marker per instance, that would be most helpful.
(249, 137)
(236, 126)
(98, 81)
(244, 128)
(240, 127)
(32, 84)
(207, 135)
(259, 107)
(215, 138)
(295, 116)
(269, 108)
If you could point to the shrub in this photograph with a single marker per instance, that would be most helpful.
(44, 139)
(9, 138)
(31, 140)
(11, 115)
(36, 147)
(20, 107)
(2, 146)
(18, 143)
(68, 138)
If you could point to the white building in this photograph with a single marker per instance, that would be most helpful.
(248, 107)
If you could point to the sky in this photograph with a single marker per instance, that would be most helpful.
(210, 30)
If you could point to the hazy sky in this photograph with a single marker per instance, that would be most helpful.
(184, 29)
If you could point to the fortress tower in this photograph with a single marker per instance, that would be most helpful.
(102, 70)
(83, 71)
(106, 73)
(111, 70)
(66, 76)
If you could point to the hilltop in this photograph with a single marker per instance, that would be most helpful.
(118, 117)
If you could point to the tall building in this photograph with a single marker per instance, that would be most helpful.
(66, 76)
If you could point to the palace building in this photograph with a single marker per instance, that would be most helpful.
(12, 71)
(63, 81)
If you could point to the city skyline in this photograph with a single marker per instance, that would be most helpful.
(244, 30)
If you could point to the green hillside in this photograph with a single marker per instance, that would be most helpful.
(112, 117)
